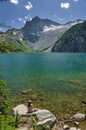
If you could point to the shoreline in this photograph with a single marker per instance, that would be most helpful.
(76, 121)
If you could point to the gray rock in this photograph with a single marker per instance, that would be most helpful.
(45, 117)
(44, 114)
(79, 116)
(20, 109)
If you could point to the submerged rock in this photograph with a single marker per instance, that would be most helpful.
(84, 102)
(79, 116)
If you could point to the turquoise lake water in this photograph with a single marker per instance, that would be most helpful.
(46, 71)
(56, 81)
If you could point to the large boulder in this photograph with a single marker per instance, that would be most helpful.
(45, 117)
(20, 109)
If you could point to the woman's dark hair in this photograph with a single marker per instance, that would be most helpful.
(29, 103)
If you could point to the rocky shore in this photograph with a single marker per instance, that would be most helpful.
(43, 119)
(75, 122)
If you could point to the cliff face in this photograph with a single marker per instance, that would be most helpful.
(33, 29)
(73, 40)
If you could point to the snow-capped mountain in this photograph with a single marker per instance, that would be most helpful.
(35, 28)
(41, 34)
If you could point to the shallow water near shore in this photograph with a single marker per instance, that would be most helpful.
(57, 79)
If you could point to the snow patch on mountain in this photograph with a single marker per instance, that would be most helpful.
(52, 28)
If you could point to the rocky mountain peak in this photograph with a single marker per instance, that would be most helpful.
(33, 29)
(40, 23)
(36, 18)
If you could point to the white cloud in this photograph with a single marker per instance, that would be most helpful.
(14, 1)
(21, 20)
(30, 18)
(26, 18)
(75, 0)
(29, 6)
(60, 19)
(65, 5)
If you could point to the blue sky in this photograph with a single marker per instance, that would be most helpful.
(16, 12)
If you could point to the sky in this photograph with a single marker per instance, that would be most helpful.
(15, 13)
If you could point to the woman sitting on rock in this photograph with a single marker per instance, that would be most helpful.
(30, 107)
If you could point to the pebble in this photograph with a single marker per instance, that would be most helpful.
(65, 127)
(76, 123)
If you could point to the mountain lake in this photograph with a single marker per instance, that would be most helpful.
(57, 80)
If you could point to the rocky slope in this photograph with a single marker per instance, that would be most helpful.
(73, 40)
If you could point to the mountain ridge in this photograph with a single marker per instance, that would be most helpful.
(73, 40)
(38, 34)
